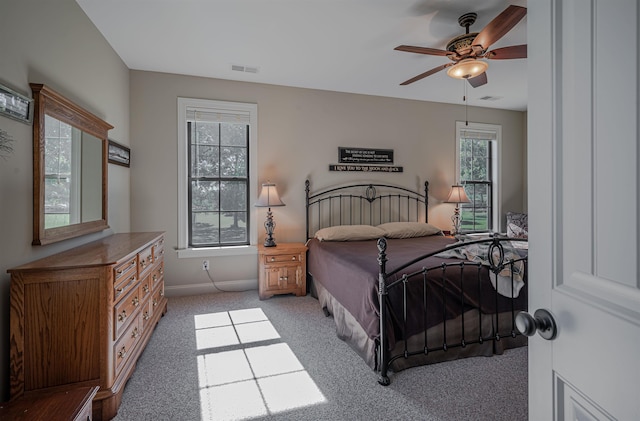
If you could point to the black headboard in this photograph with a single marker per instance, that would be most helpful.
(367, 204)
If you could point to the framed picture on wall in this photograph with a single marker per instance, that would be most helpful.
(15, 105)
(119, 154)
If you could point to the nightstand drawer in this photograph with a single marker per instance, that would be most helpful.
(281, 258)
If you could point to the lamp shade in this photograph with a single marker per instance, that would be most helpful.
(269, 196)
(467, 68)
(457, 195)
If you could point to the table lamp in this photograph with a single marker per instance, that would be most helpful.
(268, 198)
(457, 195)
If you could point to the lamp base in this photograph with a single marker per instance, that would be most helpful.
(270, 226)
(456, 221)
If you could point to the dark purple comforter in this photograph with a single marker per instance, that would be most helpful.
(349, 272)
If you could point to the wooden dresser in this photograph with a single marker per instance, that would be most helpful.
(83, 317)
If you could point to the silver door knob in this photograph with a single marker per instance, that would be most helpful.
(541, 321)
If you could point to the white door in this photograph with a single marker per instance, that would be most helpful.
(583, 153)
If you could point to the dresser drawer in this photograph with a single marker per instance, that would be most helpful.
(157, 275)
(125, 310)
(124, 347)
(125, 284)
(145, 288)
(157, 297)
(145, 259)
(281, 258)
(124, 271)
(147, 312)
(158, 249)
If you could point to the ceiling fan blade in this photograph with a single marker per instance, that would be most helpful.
(427, 73)
(422, 50)
(514, 51)
(499, 26)
(479, 80)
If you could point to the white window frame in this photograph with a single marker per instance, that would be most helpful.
(496, 160)
(183, 250)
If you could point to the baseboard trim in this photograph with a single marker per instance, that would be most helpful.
(208, 288)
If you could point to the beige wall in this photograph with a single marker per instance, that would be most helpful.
(53, 42)
(299, 132)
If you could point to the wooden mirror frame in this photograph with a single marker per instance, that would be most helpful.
(49, 102)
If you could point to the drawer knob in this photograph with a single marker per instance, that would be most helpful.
(122, 352)
(155, 303)
(145, 288)
(146, 315)
(273, 259)
(135, 333)
(293, 258)
(122, 316)
(162, 292)
(155, 277)
(135, 301)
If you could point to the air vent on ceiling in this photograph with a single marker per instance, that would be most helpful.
(490, 98)
(246, 69)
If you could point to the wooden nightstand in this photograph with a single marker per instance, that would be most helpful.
(282, 270)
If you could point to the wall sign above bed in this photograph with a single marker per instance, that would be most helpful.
(364, 168)
(365, 156)
(351, 159)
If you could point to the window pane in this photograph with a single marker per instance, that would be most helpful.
(205, 161)
(233, 196)
(234, 135)
(204, 228)
(479, 169)
(234, 162)
(205, 133)
(233, 228)
(204, 196)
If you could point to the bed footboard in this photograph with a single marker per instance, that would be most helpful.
(468, 312)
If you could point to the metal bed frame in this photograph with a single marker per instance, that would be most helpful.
(345, 206)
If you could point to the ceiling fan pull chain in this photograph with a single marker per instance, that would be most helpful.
(466, 104)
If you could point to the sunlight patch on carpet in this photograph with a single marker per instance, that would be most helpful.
(253, 379)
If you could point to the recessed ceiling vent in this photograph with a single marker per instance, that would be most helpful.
(490, 98)
(246, 69)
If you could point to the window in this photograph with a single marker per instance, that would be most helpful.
(216, 172)
(477, 170)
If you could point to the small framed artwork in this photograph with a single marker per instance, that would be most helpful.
(15, 105)
(119, 154)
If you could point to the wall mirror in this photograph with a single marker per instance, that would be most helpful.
(69, 168)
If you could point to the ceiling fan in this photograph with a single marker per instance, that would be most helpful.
(466, 50)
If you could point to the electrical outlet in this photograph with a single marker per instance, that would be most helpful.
(205, 265)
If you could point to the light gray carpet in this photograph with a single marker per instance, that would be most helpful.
(165, 384)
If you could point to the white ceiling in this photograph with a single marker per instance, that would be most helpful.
(335, 45)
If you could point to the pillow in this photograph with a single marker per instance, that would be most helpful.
(517, 225)
(349, 233)
(408, 229)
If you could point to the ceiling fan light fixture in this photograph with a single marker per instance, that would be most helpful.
(467, 68)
